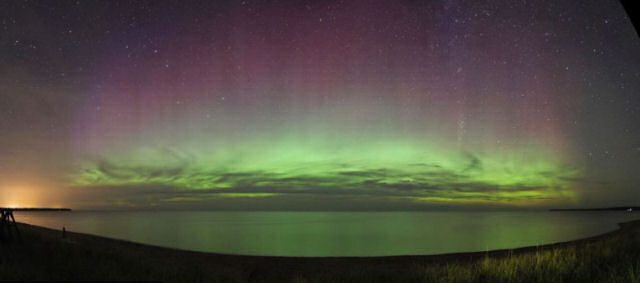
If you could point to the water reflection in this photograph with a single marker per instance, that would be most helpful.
(335, 233)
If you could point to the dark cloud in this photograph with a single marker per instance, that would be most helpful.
(474, 163)
(182, 183)
(131, 172)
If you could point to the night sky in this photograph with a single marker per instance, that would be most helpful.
(318, 105)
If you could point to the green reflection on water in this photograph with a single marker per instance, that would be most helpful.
(336, 233)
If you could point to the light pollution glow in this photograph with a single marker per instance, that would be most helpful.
(361, 104)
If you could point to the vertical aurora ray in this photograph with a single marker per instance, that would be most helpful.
(235, 107)
(381, 104)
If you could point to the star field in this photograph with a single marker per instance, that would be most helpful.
(318, 104)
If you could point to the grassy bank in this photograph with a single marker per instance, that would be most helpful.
(45, 255)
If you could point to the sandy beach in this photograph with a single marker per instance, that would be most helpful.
(44, 254)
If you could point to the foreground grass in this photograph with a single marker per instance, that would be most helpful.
(44, 255)
(611, 260)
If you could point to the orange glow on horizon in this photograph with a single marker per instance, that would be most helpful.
(22, 195)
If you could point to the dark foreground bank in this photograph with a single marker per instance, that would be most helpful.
(45, 255)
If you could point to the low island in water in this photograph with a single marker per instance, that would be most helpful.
(617, 208)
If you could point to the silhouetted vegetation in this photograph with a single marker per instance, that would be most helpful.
(45, 255)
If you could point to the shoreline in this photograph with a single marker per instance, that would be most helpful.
(470, 255)
(44, 254)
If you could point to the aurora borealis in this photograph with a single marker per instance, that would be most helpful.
(319, 104)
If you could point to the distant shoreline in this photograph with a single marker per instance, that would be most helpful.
(34, 209)
(617, 208)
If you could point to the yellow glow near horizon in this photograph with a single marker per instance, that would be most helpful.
(22, 196)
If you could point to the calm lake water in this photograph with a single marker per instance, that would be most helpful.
(335, 233)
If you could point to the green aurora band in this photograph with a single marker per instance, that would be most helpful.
(248, 114)
(390, 170)
(319, 105)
